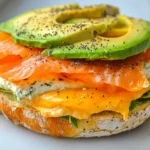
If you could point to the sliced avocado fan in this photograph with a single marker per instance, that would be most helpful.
(70, 32)
(116, 43)
(44, 28)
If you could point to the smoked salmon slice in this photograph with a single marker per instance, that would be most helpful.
(146, 55)
(127, 74)
(9, 47)
(18, 63)
(9, 59)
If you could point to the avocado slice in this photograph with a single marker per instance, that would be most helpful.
(135, 41)
(44, 28)
(119, 28)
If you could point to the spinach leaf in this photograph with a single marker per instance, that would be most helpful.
(133, 105)
(140, 101)
(72, 120)
(146, 95)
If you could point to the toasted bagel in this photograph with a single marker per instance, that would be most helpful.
(102, 124)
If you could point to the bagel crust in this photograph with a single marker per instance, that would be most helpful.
(102, 124)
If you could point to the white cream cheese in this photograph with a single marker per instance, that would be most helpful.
(29, 90)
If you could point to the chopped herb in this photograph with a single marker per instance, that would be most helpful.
(33, 83)
(47, 84)
(10, 92)
(71, 120)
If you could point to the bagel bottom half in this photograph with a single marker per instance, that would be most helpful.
(102, 124)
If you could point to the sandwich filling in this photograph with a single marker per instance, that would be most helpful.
(60, 75)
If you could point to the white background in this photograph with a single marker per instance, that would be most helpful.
(18, 138)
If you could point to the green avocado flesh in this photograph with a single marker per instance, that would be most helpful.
(44, 28)
(72, 32)
(135, 41)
